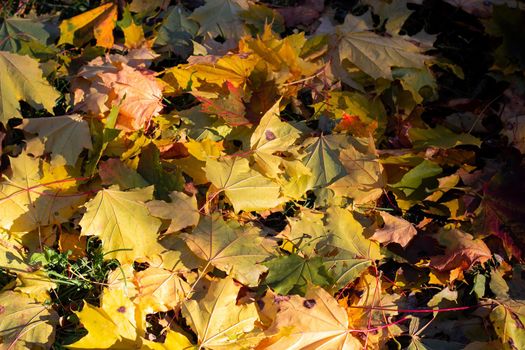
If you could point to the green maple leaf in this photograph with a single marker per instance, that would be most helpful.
(293, 273)
(246, 188)
(440, 137)
(17, 32)
(418, 81)
(122, 221)
(221, 17)
(347, 252)
(21, 79)
(323, 162)
(151, 169)
(230, 247)
(413, 178)
(176, 31)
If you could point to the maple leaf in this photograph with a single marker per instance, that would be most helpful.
(375, 54)
(365, 179)
(282, 57)
(64, 136)
(323, 162)
(274, 134)
(217, 319)
(234, 69)
(307, 229)
(21, 79)
(357, 112)
(413, 178)
(313, 322)
(347, 252)
(509, 320)
(110, 81)
(230, 247)
(502, 211)
(220, 17)
(361, 309)
(418, 81)
(110, 326)
(462, 251)
(271, 136)
(159, 290)
(100, 20)
(28, 202)
(440, 137)
(304, 13)
(133, 32)
(395, 14)
(18, 32)
(204, 149)
(246, 189)
(291, 273)
(24, 323)
(123, 223)
(175, 255)
(176, 31)
(13, 254)
(174, 340)
(73, 242)
(395, 230)
(35, 284)
(230, 108)
(182, 211)
(152, 170)
(114, 171)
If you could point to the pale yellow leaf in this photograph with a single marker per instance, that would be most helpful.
(21, 79)
(123, 223)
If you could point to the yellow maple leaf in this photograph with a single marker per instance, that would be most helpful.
(232, 68)
(101, 20)
(113, 325)
(159, 289)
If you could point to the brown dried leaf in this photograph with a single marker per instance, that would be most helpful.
(462, 250)
(395, 230)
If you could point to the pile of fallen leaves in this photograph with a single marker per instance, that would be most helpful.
(235, 174)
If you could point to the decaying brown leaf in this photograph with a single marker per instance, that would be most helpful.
(395, 230)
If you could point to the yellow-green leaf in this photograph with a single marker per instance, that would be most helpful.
(21, 79)
(122, 221)
(246, 188)
(235, 249)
